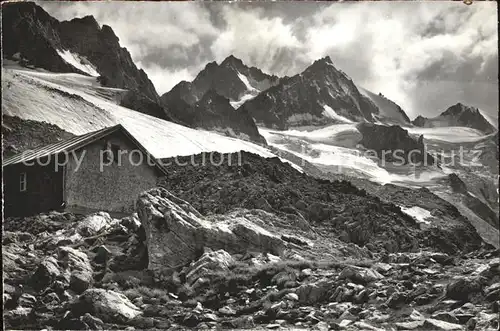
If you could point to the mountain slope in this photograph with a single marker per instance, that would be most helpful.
(214, 112)
(390, 112)
(35, 38)
(457, 115)
(319, 95)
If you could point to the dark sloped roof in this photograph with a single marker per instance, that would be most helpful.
(75, 143)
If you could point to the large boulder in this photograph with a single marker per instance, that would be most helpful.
(360, 275)
(313, 292)
(46, 273)
(433, 324)
(18, 263)
(78, 264)
(110, 306)
(464, 288)
(210, 261)
(93, 224)
(176, 233)
(17, 237)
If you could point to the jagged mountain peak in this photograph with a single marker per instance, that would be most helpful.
(320, 95)
(206, 101)
(231, 79)
(460, 108)
(462, 111)
(458, 115)
(211, 65)
(325, 59)
(88, 20)
(107, 32)
(324, 67)
(207, 73)
(26, 6)
(322, 62)
(231, 60)
(182, 84)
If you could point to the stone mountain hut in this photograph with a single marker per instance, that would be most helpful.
(102, 170)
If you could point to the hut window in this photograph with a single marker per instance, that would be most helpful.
(22, 182)
(115, 149)
(111, 150)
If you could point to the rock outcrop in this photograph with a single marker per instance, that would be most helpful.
(176, 233)
(471, 201)
(360, 275)
(394, 144)
(209, 262)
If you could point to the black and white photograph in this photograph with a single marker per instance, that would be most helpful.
(250, 165)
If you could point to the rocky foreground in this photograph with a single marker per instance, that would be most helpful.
(257, 264)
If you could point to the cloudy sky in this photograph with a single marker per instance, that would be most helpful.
(425, 56)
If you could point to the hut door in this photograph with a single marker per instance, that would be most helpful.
(52, 188)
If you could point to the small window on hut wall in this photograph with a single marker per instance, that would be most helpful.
(22, 182)
(115, 150)
(111, 152)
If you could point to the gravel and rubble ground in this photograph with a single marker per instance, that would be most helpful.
(66, 271)
(19, 135)
(83, 280)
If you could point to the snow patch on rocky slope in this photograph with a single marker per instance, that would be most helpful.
(329, 112)
(419, 213)
(78, 62)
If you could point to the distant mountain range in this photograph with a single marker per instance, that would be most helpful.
(320, 95)
(230, 98)
(457, 115)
